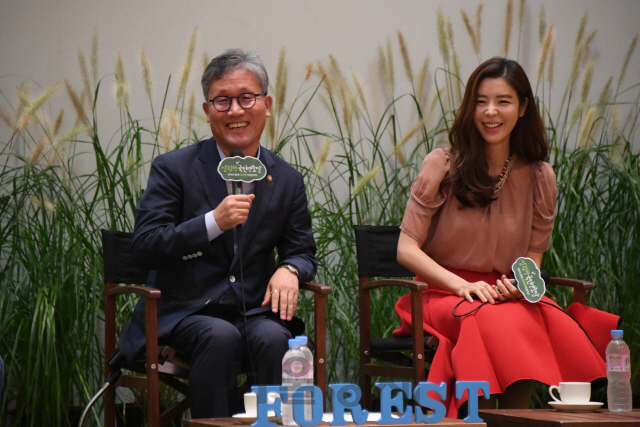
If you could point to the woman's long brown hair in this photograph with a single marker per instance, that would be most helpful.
(469, 174)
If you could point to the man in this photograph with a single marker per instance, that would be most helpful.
(185, 233)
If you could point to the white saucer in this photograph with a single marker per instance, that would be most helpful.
(575, 407)
(250, 419)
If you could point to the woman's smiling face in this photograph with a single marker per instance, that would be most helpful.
(497, 110)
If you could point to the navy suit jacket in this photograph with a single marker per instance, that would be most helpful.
(170, 237)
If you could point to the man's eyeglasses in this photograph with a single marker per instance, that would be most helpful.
(246, 101)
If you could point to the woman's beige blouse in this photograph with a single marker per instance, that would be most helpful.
(484, 238)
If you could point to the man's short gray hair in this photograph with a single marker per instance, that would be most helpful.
(231, 60)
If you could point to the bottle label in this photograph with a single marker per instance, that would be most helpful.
(296, 367)
(618, 363)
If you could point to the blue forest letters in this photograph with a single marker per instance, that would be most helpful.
(347, 397)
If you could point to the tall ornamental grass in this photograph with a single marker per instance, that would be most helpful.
(359, 163)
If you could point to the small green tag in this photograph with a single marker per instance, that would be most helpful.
(245, 169)
(527, 275)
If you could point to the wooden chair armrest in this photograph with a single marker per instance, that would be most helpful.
(580, 287)
(574, 283)
(404, 283)
(316, 288)
(140, 290)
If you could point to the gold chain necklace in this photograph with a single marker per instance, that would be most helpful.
(503, 176)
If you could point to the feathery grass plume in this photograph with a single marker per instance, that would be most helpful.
(364, 181)
(508, 23)
(7, 118)
(205, 60)
(382, 65)
(186, 68)
(328, 81)
(471, 32)
(605, 95)
(271, 132)
(405, 56)
(58, 152)
(581, 28)
(94, 56)
(613, 122)
(169, 127)
(322, 156)
(586, 82)
(49, 206)
(345, 95)
(70, 135)
(165, 131)
(478, 26)
(77, 104)
(392, 77)
(575, 65)
(542, 24)
(281, 82)
(521, 14)
(585, 127)
(122, 91)
(34, 106)
(551, 62)
(402, 159)
(520, 23)
(191, 109)
(146, 73)
(407, 136)
(307, 72)
(85, 76)
(335, 67)
(37, 151)
(359, 89)
(442, 35)
(422, 79)
(585, 51)
(627, 58)
(58, 122)
(544, 52)
(22, 91)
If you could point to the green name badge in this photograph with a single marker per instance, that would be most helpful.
(528, 279)
(245, 169)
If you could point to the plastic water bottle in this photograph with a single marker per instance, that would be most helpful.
(618, 373)
(307, 377)
(293, 364)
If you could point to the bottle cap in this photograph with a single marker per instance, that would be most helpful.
(303, 340)
(294, 343)
(616, 333)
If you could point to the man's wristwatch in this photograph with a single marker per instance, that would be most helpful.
(292, 268)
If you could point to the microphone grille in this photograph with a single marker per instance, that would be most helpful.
(236, 153)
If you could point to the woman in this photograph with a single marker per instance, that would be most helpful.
(474, 209)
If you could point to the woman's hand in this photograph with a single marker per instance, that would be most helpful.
(484, 291)
(506, 290)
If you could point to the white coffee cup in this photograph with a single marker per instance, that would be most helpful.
(251, 402)
(573, 393)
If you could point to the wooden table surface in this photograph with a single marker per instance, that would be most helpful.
(555, 418)
(231, 422)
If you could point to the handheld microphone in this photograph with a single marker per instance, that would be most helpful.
(236, 186)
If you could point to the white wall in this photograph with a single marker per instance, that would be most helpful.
(39, 39)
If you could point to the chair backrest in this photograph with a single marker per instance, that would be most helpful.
(118, 262)
(376, 250)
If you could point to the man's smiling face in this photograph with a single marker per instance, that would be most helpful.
(238, 128)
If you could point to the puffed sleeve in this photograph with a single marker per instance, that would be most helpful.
(425, 198)
(545, 192)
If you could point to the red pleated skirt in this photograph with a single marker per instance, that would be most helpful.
(510, 341)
